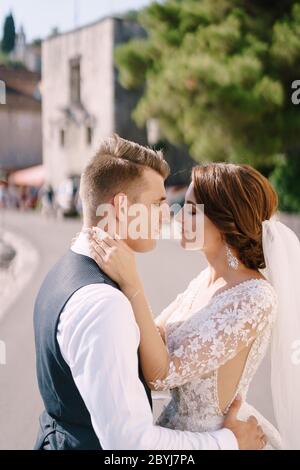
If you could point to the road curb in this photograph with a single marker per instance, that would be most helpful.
(23, 269)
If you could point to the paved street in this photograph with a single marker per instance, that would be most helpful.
(166, 272)
(19, 401)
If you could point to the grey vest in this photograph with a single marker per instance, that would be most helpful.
(66, 422)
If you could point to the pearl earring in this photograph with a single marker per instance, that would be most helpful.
(232, 260)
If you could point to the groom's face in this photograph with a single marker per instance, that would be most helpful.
(146, 201)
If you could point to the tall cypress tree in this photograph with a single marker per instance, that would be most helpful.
(9, 34)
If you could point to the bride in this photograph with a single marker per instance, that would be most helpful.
(206, 346)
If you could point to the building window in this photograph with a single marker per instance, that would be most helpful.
(75, 81)
(89, 135)
(62, 137)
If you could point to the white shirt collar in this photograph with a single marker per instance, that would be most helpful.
(81, 246)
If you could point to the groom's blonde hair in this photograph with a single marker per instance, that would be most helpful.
(117, 167)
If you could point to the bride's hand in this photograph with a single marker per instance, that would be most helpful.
(117, 260)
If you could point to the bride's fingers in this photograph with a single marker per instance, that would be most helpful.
(98, 249)
(110, 242)
(107, 239)
(104, 247)
(264, 441)
(96, 241)
(98, 258)
(252, 419)
(260, 432)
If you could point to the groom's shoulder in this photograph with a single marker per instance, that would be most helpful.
(102, 298)
(97, 306)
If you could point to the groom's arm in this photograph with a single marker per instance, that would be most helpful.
(99, 339)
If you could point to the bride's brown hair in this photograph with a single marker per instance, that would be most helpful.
(237, 199)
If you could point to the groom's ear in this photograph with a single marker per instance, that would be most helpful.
(120, 203)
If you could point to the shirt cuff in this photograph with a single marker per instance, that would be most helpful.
(225, 438)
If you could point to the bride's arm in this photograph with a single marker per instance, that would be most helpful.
(117, 260)
(206, 345)
(153, 351)
(209, 344)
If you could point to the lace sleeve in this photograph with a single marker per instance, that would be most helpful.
(208, 344)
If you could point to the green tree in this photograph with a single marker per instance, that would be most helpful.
(9, 35)
(285, 179)
(217, 75)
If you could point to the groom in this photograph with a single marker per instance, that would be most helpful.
(87, 340)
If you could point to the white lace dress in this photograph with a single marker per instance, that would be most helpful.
(202, 340)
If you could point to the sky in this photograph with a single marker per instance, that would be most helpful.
(39, 17)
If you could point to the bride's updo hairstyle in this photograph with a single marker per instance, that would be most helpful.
(237, 199)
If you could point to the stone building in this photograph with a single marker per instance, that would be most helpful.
(82, 99)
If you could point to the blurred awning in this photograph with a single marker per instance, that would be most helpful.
(34, 176)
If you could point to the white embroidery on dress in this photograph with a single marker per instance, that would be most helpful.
(201, 342)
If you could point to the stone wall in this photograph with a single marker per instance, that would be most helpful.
(93, 44)
(20, 137)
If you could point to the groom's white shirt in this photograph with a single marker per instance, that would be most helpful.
(99, 338)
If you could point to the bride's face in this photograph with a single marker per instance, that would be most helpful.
(198, 232)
